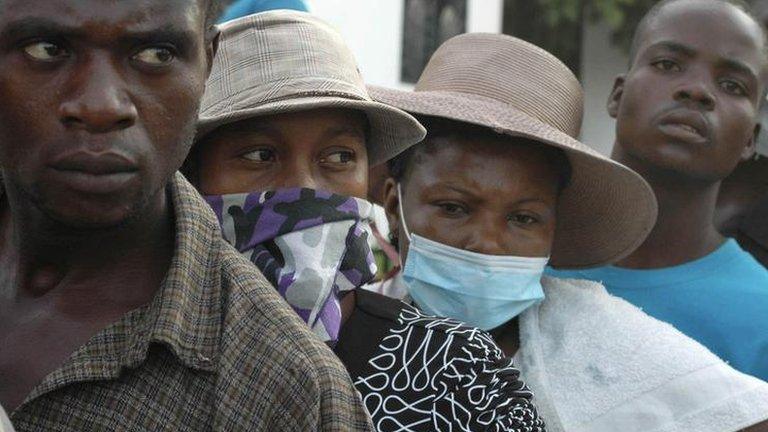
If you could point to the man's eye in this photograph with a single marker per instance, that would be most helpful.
(261, 155)
(523, 219)
(155, 56)
(666, 65)
(340, 157)
(45, 51)
(733, 87)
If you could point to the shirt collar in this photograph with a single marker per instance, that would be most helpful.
(185, 315)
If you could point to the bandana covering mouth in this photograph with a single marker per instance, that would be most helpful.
(311, 245)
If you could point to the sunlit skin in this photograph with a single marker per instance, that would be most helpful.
(318, 149)
(686, 114)
(100, 104)
(492, 195)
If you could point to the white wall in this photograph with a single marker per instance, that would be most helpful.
(484, 16)
(374, 31)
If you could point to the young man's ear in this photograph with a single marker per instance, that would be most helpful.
(615, 98)
(751, 147)
(392, 205)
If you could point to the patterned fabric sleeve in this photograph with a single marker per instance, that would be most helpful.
(436, 374)
(488, 384)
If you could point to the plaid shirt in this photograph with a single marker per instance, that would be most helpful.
(216, 349)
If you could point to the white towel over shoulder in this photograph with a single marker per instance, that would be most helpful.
(5, 423)
(599, 364)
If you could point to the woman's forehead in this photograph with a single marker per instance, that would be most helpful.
(484, 163)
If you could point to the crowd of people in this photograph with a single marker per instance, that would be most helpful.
(187, 238)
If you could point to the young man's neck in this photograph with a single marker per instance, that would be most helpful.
(123, 265)
(684, 230)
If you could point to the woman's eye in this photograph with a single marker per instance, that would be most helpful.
(45, 51)
(155, 56)
(666, 65)
(733, 87)
(261, 155)
(452, 209)
(340, 157)
(523, 219)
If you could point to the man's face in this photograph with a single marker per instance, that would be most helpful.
(99, 104)
(690, 100)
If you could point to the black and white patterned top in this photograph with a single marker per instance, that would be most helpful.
(416, 372)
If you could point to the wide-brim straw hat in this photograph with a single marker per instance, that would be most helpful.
(518, 89)
(287, 61)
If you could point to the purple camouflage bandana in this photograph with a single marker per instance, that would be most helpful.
(311, 245)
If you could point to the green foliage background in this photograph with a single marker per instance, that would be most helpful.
(621, 16)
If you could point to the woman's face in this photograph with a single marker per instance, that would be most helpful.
(318, 149)
(490, 195)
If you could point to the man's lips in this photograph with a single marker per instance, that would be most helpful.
(95, 164)
(95, 173)
(686, 125)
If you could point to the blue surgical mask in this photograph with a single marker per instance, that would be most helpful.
(484, 291)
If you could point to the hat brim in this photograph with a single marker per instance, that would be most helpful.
(391, 130)
(606, 211)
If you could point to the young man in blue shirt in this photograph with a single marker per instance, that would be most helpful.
(687, 113)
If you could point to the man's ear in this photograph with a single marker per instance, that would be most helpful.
(392, 205)
(212, 45)
(751, 147)
(615, 98)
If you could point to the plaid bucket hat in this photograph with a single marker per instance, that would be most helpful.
(287, 61)
(518, 89)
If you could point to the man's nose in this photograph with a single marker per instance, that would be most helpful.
(695, 92)
(98, 101)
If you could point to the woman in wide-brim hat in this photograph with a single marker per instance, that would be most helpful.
(286, 133)
(501, 187)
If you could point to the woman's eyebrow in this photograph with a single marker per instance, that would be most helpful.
(534, 200)
(452, 187)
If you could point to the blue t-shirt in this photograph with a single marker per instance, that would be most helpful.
(242, 8)
(720, 300)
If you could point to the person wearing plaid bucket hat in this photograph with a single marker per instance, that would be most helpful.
(287, 131)
(501, 186)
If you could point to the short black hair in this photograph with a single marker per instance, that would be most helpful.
(399, 167)
(654, 11)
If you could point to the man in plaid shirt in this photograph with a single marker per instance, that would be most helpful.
(121, 306)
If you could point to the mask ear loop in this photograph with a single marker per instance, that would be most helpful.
(402, 215)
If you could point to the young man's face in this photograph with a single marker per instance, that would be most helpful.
(100, 100)
(690, 100)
